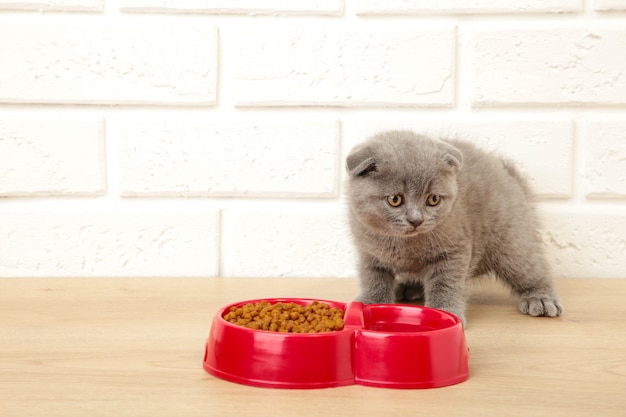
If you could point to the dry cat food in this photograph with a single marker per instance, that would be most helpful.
(287, 317)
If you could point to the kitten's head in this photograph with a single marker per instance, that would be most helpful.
(401, 183)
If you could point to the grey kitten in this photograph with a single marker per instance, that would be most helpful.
(427, 215)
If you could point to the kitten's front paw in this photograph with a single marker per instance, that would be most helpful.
(544, 305)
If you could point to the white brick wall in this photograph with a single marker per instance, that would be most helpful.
(70, 164)
(210, 157)
(585, 243)
(275, 7)
(401, 7)
(51, 5)
(101, 244)
(604, 161)
(343, 68)
(608, 5)
(108, 64)
(569, 66)
(207, 137)
(293, 241)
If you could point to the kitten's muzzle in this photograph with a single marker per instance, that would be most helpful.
(415, 222)
(414, 218)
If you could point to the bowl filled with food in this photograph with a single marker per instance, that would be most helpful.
(308, 343)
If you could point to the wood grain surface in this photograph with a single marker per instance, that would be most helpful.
(134, 347)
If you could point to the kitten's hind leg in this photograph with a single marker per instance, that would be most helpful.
(529, 277)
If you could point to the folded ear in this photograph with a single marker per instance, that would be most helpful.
(361, 162)
(452, 160)
(364, 168)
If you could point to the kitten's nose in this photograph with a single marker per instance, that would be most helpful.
(415, 222)
(414, 216)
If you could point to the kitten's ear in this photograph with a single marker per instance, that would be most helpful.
(359, 163)
(452, 160)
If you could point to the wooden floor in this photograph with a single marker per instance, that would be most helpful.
(134, 347)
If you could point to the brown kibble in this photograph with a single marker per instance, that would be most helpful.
(287, 317)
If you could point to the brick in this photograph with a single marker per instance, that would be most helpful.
(585, 242)
(53, 5)
(399, 7)
(344, 67)
(286, 241)
(524, 141)
(609, 5)
(605, 159)
(198, 157)
(102, 64)
(548, 66)
(304, 7)
(89, 244)
(51, 155)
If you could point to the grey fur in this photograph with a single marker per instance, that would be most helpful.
(484, 223)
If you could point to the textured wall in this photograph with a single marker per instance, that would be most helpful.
(207, 137)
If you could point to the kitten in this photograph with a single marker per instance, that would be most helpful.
(427, 215)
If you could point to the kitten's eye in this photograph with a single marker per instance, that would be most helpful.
(394, 200)
(433, 200)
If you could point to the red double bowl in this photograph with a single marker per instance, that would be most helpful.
(381, 345)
